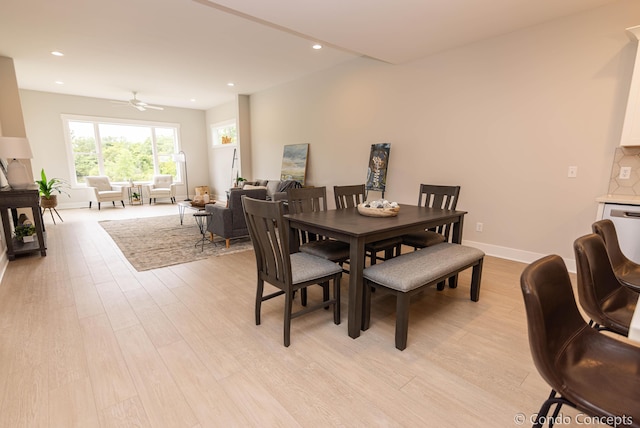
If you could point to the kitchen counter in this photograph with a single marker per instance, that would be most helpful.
(619, 199)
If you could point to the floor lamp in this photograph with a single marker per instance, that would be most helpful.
(182, 158)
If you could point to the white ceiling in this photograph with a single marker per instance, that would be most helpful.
(171, 51)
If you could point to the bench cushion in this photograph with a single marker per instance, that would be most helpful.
(412, 270)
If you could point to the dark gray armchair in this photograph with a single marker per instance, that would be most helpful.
(228, 222)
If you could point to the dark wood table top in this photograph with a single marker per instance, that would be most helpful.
(350, 222)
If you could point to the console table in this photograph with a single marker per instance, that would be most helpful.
(11, 199)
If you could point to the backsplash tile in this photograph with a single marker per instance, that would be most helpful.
(625, 156)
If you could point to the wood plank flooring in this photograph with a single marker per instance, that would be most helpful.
(86, 341)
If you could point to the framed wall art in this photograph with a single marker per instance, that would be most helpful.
(294, 162)
(377, 170)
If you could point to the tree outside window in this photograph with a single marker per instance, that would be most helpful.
(122, 151)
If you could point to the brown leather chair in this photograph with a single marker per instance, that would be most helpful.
(285, 271)
(627, 271)
(586, 369)
(606, 300)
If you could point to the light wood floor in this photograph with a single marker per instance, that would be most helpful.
(86, 341)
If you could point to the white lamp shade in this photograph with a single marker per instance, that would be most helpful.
(15, 148)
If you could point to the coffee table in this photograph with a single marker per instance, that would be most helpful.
(186, 205)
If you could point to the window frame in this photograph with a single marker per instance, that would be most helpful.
(96, 121)
(216, 135)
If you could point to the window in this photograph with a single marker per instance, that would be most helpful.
(121, 150)
(224, 133)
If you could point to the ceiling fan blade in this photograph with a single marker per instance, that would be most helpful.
(141, 108)
(154, 107)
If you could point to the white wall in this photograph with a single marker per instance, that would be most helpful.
(503, 118)
(42, 115)
(220, 157)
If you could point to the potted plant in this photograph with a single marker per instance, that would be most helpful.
(239, 181)
(135, 196)
(47, 189)
(23, 231)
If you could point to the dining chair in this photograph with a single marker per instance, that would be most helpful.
(586, 369)
(627, 271)
(312, 199)
(288, 272)
(608, 302)
(349, 197)
(433, 196)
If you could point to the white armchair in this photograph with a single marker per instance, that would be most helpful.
(162, 187)
(103, 191)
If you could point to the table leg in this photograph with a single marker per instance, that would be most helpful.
(356, 266)
(181, 212)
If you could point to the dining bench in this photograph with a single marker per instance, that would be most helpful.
(408, 274)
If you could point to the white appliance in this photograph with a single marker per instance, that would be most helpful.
(626, 218)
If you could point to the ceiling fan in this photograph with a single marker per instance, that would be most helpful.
(137, 104)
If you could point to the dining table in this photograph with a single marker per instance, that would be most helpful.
(348, 225)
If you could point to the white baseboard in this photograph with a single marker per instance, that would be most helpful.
(515, 254)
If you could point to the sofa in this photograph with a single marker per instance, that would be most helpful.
(276, 189)
(228, 222)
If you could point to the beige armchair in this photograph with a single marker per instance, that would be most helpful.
(103, 191)
(162, 187)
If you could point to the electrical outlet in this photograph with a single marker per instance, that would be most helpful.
(479, 227)
(573, 172)
(625, 173)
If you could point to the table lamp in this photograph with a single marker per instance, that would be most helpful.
(16, 148)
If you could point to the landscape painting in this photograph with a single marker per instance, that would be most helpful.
(294, 162)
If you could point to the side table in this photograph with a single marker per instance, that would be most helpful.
(202, 220)
(22, 198)
(135, 188)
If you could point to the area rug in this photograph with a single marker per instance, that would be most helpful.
(154, 242)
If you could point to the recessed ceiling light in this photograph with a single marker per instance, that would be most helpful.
(317, 46)
(193, 100)
(56, 53)
(231, 84)
(59, 82)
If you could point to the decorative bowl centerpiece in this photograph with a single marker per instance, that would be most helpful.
(379, 208)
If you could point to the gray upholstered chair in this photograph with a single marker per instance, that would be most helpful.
(608, 302)
(162, 186)
(285, 271)
(103, 191)
(229, 222)
(433, 196)
(350, 197)
(311, 199)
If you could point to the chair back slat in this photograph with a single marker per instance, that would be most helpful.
(436, 196)
(306, 200)
(270, 238)
(349, 196)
